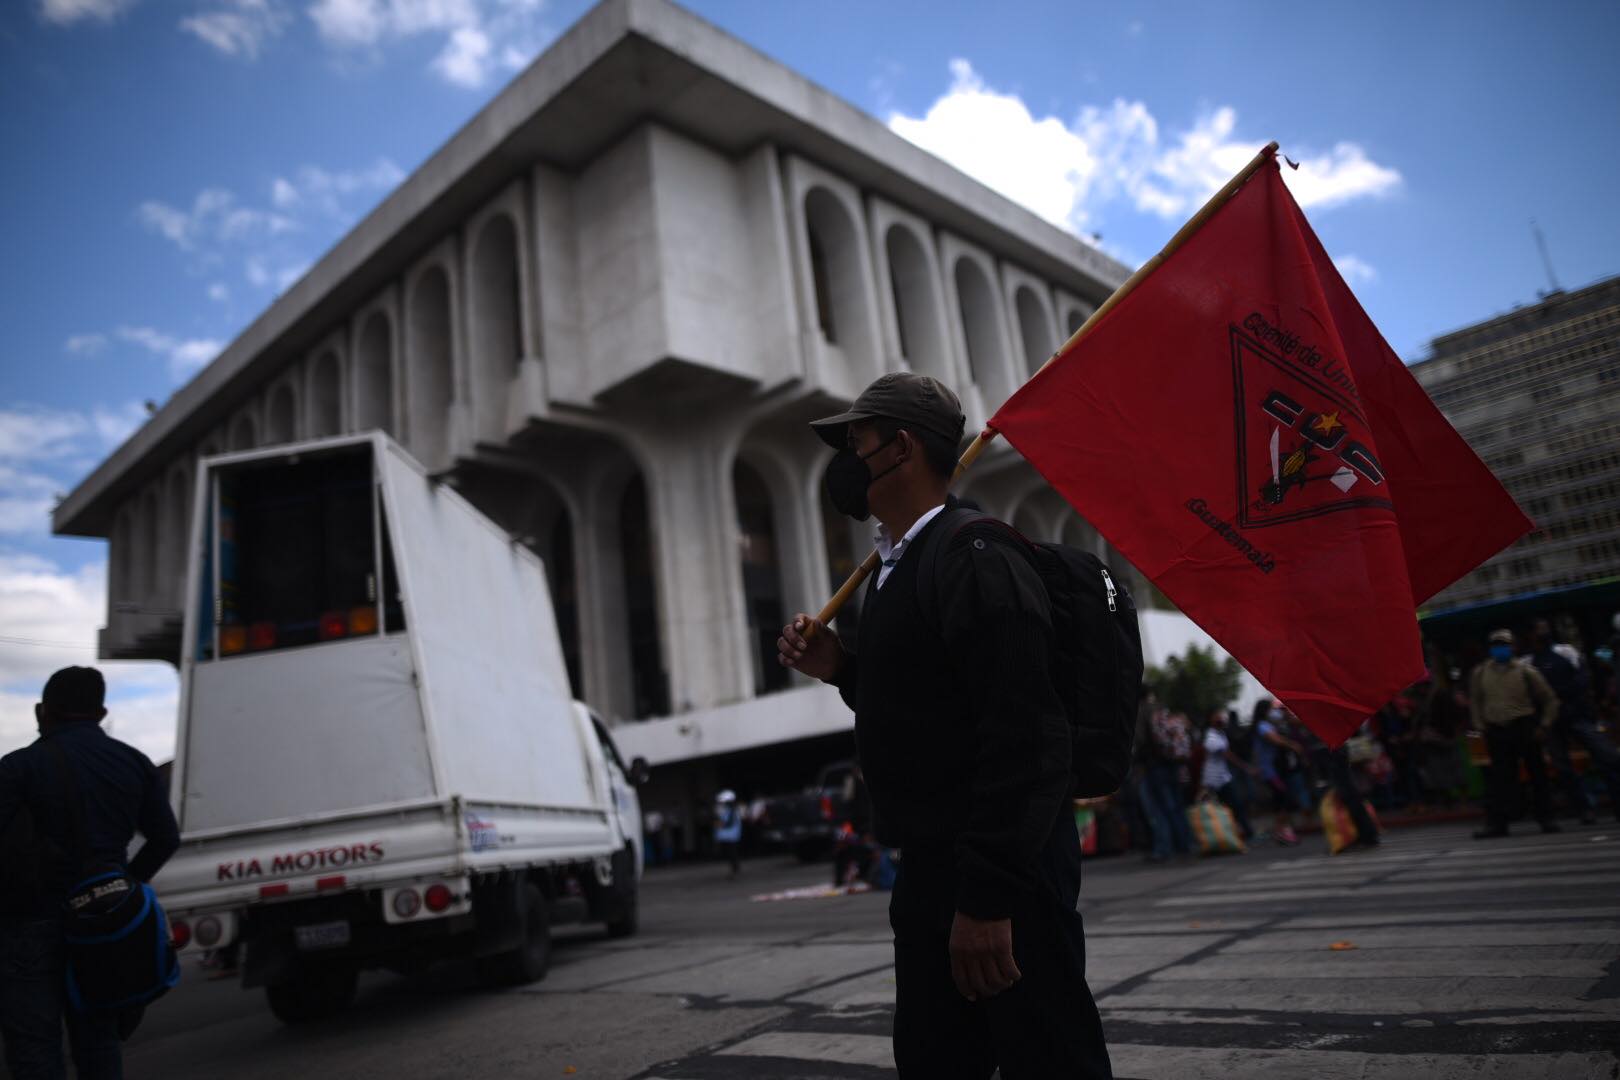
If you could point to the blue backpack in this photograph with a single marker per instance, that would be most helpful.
(118, 950)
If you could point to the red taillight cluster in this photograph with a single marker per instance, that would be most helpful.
(826, 808)
(179, 934)
(436, 899)
(355, 621)
(235, 638)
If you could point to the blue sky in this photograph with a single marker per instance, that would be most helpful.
(171, 165)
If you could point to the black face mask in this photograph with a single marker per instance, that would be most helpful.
(848, 478)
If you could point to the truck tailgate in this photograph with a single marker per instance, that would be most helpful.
(348, 851)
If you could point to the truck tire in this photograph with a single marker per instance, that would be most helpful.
(313, 993)
(528, 962)
(626, 918)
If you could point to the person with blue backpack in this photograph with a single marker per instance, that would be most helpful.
(88, 945)
(969, 734)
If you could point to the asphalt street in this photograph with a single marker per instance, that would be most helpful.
(1434, 956)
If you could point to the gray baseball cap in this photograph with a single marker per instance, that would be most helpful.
(919, 400)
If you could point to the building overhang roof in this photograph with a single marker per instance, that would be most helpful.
(627, 62)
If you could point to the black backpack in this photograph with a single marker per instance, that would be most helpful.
(1099, 647)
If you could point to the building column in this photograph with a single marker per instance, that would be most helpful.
(702, 623)
(604, 634)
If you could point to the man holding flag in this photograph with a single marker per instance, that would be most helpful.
(1231, 420)
(966, 751)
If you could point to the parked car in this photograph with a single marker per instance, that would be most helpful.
(808, 822)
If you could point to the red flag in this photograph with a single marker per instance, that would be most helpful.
(1238, 428)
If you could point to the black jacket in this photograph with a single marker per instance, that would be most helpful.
(121, 794)
(959, 729)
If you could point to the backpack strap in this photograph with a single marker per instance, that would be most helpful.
(941, 531)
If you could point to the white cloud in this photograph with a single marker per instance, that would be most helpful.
(114, 425)
(465, 57)
(86, 344)
(215, 217)
(240, 28)
(52, 615)
(38, 448)
(1355, 270)
(469, 28)
(1341, 174)
(29, 434)
(68, 12)
(26, 500)
(185, 355)
(283, 194)
(273, 242)
(1041, 164)
(314, 189)
(1065, 171)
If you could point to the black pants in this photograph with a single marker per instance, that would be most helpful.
(1510, 744)
(1345, 785)
(33, 1007)
(1045, 1027)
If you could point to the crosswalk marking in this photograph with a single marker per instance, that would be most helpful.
(873, 1050)
(1231, 977)
(1190, 1063)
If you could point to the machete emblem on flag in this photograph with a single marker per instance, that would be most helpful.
(1302, 445)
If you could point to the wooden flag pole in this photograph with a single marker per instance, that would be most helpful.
(977, 446)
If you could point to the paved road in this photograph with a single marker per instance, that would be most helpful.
(1498, 960)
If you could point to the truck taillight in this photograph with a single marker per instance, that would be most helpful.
(438, 898)
(407, 902)
(232, 639)
(333, 625)
(826, 808)
(179, 933)
(363, 620)
(262, 635)
(209, 931)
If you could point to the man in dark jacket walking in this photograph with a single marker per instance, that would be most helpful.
(121, 794)
(965, 748)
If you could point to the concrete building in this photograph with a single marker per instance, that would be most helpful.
(605, 311)
(1536, 393)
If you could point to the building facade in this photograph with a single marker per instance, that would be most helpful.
(1536, 393)
(605, 312)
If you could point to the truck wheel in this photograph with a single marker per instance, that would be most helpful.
(528, 962)
(313, 994)
(629, 919)
(627, 908)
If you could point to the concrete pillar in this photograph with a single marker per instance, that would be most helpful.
(702, 627)
(604, 635)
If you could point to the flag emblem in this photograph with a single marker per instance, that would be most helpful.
(1302, 444)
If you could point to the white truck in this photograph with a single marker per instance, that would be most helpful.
(379, 761)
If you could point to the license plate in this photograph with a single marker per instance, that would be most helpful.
(330, 935)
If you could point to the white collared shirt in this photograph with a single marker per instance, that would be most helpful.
(889, 551)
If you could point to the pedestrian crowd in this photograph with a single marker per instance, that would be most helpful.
(1537, 706)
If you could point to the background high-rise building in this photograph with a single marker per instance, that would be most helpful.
(1536, 393)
